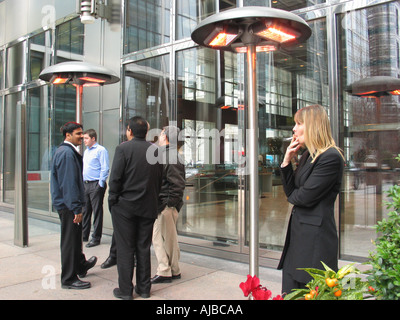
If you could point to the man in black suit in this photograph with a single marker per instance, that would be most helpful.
(68, 199)
(134, 185)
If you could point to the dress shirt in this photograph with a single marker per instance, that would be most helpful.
(96, 164)
(75, 147)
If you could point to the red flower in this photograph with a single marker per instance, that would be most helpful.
(248, 286)
(261, 293)
(252, 286)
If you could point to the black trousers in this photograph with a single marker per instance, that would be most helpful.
(94, 195)
(72, 257)
(133, 235)
(113, 248)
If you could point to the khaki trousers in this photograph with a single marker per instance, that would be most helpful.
(165, 243)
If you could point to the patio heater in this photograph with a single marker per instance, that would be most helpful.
(250, 30)
(80, 74)
(375, 87)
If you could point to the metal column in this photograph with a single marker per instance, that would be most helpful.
(21, 206)
(252, 158)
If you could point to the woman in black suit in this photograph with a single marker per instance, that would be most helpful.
(312, 189)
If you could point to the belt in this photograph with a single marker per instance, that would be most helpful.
(88, 181)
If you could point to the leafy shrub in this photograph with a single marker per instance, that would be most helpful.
(385, 260)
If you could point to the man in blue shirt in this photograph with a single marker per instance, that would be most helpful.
(95, 173)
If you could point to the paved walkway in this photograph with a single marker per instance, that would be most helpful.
(33, 273)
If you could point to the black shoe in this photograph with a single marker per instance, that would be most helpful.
(117, 293)
(143, 295)
(109, 263)
(175, 277)
(88, 265)
(92, 243)
(160, 279)
(78, 284)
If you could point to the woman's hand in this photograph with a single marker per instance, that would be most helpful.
(291, 151)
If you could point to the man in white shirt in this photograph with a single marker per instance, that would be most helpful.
(95, 173)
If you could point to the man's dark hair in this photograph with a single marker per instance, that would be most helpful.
(138, 125)
(172, 133)
(70, 127)
(91, 133)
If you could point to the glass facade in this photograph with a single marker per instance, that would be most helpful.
(168, 79)
(369, 130)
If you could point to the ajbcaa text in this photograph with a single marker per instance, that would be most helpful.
(207, 310)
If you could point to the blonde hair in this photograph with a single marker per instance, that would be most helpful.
(317, 130)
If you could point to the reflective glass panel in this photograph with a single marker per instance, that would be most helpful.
(15, 65)
(147, 24)
(64, 111)
(39, 54)
(70, 40)
(1, 146)
(10, 114)
(147, 92)
(40, 151)
(368, 47)
(287, 81)
(1, 69)
(211, 144)
(287, 5)
(191, 12)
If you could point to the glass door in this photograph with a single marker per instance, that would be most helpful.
(208, 112)
(287, 81)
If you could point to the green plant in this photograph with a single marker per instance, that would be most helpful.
(330, 285)
(385, 260)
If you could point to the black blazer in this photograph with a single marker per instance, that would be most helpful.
(66, 182)
(134, 182)
(312, 235)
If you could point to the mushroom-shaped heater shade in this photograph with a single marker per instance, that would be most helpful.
(235, 28)
(79, 73)
(375, 86)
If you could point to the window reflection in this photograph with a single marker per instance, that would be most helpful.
(147, 91)
(69, 41)
(288, 5)
(369, 43)
(191, 12)
(14, 68)
(147, 24)
(287, 81)
(39, 54)
(40, 151)
(10, 114)
(211, 142)
(1, 69)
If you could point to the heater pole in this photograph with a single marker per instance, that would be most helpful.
(252, 153)
(79, 91)
(78, 117)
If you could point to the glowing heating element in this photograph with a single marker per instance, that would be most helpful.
(90, 79)
(266, 48)
(222, 39)
(275, 34)
(365, 94)
(60, 80)
(395, 92)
